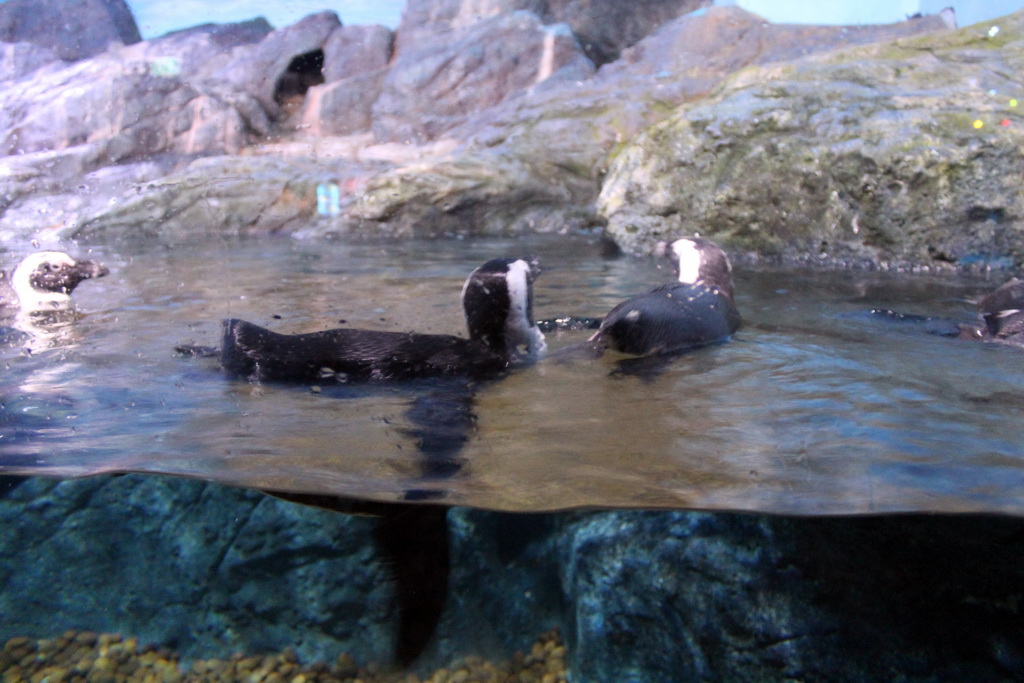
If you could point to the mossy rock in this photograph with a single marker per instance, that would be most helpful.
(906, 153)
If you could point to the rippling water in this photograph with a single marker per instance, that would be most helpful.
(815, 407)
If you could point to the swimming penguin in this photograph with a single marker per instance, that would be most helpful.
(43, 282)
(497, 300)
(1003, 313)
(695, 310)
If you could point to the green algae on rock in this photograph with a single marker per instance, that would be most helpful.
(87, 656)
(905, 153)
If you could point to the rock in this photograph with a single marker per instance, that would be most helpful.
(356, 50)
(205, 569)
(18, 60)
(195, 53)
(607, 27)
(217, 196)
(272, 70)
(229, 35)
(72, 33)
(514, 130)
(699, 50)
(485, 194)
(128, 106)
(342, 107)
(431, 89)
(47, 194)
(355, 65)
(876, 155)
(542, 153)
(712, 596)
(603, 27)
(638, 595)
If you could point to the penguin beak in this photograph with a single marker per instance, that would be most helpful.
(535, 270)
(67, 278)
(90, 269)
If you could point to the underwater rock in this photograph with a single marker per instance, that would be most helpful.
(203, 570)
(900, 153)
(639, 595)
(678, 595)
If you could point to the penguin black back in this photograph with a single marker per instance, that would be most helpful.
(497, 302)
(696, 310)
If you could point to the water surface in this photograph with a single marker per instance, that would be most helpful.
(815, 407)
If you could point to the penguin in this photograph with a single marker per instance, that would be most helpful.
(1003, 313)
(43, 282)
(497, 301)
(695, 310)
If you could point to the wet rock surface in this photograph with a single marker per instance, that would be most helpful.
(470, 119)
(204, 570)
(863, 157)
(536, 161)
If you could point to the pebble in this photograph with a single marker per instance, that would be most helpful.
(87, 657)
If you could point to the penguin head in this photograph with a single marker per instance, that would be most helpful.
(699, 260)
(497, 300)
(43, 281)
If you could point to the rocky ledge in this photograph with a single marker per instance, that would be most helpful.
(883, 145)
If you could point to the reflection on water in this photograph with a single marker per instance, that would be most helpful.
(814, 407)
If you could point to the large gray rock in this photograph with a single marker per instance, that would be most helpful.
(524, 145)
(432, 88)
(878, 155)
(258, 69)
(195, 53)
(126, 105)
(355, 64)
(356, 50)
(603, 27)
(21, 59)
(542, 153)
(48, 194)
(212, 196)
(71, 30)
(342, 107)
